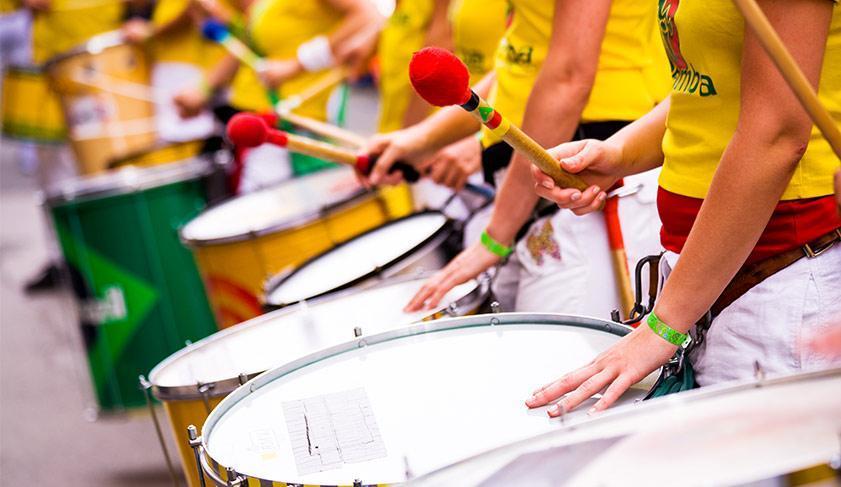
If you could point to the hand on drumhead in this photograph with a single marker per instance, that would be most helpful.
(191, 102)
(275, 72)
(595, 161)
(452, 165)
(614, 371)
(467, 265)
(401, 145)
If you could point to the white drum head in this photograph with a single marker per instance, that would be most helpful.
(288, 204)
(281, 336)
(357, 258)
(412, 403)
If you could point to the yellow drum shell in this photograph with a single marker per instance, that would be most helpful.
(105, 94)
(182, 414)
(164, 154)
(31, 110)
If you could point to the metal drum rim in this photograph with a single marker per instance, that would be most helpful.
(383, 272)
(93, 46)
(127, 180)
(477, 321)
(279, 226)
(226, 386)
(628, 410)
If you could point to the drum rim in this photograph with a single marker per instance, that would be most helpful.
(382, 272)
(126, 180)
(93, 46)
(286, 224)
(476, 321)
(631, 410)
(224, 387)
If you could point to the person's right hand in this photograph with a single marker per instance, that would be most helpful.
(406, 145)
(190, 102)
(452, 165)
(595, 161)
(467, 265)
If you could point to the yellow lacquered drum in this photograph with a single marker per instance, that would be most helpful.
(31, 110)
(239, 244)
(384, 408)
(108, 107)
(160, 154)
(191, 382)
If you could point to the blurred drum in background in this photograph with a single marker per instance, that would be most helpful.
(31, 110)
(107, 101)
(242, 242)
(776, 432)
(139, 293)
(412, 245)
(384, 408)
(160, 154)
(192, 381)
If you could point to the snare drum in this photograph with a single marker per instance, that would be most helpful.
(411, 245)
(31, 110)
(242, 242)
(384, 408)
(729, 434)
(139, 292)
(105, 93)
(191, 382)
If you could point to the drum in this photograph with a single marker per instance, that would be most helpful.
(242, 242)
(108, 107)
(384, 408)
(750, 433)
(195, 379)
(161, 154)
(31, 110)
(139, 293)
(409, 246)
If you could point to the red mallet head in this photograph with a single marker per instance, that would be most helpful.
(439, 77)
(247, 130)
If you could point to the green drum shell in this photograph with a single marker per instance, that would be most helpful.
(139, 293)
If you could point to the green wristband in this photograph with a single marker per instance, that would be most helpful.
(494, 247)
(666, 332)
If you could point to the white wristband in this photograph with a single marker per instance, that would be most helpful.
(315, 54)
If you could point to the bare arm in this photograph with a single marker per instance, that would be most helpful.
(439, 33)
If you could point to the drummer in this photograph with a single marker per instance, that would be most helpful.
(301, 42)
(776, 222)
(562, 264)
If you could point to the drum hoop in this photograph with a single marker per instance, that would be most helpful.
(93, 46)
(477, 321)
(225, 386)
(544, 440)
(298, 221)
(382, 272)
(127, 180)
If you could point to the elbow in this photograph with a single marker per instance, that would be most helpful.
(572, 82)
(785, 141)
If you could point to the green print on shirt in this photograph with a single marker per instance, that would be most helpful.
(687, 78)
(520, 56)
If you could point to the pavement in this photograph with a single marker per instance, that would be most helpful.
(49, 432)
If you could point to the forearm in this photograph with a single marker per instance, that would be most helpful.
(444, 127)
(358, 19)
(641, 141)
(736, 210)
(222, 73)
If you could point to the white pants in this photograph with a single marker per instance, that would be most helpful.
(563, 264)
(770, 323)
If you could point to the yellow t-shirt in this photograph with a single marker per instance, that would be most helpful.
(704, 44)
(404, 33)
(277, 28)
(65, 26)
(477, 27)
(621, 88)
(9, 6)
(184, 44)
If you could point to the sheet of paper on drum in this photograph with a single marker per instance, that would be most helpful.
(330, 430)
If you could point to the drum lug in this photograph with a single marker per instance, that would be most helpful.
(452, 310)
(146, 387)
(235, 479)
(242, 378)
(496, 308)
(357, 332)
(195, 443)
(357, 483)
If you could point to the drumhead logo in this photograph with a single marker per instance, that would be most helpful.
(686, 78)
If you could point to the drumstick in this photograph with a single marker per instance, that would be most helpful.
(618, 254)
(791, 72)
(442, 79)
(218, 32)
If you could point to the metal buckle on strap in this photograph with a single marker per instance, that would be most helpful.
(812, 253)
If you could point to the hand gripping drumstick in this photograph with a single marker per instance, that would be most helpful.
(441, 79)
(217, 32)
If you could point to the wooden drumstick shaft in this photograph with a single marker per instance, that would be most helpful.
(521, 142)
(618, 255)
(322, 128)
(792, 73)
(323, 150)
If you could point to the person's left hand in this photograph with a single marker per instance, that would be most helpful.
(136, 31)
(618, 368)
(275, 71)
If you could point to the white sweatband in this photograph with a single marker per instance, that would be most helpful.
(315, 54)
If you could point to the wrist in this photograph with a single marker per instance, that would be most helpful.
(665, 331)
(494, 246)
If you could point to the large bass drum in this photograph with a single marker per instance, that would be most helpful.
(192, 381)
(384, 408)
